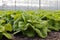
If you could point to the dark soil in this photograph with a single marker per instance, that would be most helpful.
(51, 36)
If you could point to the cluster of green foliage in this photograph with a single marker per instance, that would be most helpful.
(29, 22)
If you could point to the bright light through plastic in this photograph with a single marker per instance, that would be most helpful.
(20, 3)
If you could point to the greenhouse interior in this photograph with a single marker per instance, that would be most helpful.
(29, 19)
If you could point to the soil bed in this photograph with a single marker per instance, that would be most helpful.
(51, 36)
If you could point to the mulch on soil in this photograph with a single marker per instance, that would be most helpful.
(51, 36)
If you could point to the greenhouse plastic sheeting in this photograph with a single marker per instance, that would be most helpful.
(29, 4)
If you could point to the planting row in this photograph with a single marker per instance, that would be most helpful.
(29, 22)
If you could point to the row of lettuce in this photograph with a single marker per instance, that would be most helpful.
(29, 23)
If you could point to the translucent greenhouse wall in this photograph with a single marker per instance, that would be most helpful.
(29, 4)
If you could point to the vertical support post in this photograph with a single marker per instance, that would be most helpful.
(57, 4)
(15, 5)
(28, 5)
(39, 4)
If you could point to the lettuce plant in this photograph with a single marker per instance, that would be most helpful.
(4, 27)
(29, 22)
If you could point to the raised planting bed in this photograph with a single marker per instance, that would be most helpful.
(30, 25)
